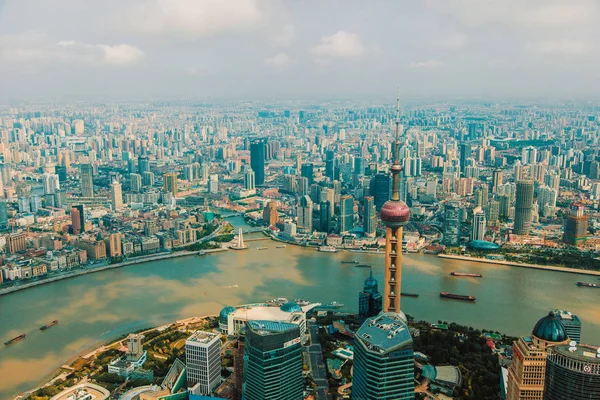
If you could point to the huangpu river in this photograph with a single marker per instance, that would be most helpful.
(99, 307)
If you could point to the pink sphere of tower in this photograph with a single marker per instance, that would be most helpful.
(395, 213)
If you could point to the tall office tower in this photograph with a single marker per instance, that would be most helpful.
(379, 188)
(325, 209)
(270, 214)
(148, 178)
(528, 155)
(572, 372)
(3, 215)
(492, 213)
(170, 183)
(576, 228)
(370, 302)
(130, 164)
(369, 216)
(537, 172)
(87, 180)
(302, 186)
(6, 173)
(238, 367)
(116, 195)
(497, 180)
(289, 183)
(213, 183)
(143, 165)
(78, 219)
(504, 204)
(135, 182)
(546, 200)
(249, 180)
(452, 222)
(315, 192)
(481, 196)
(518, 170)
(203, 361)
(572, 324)
(330, 164)
(346, 213)
(523, 207)
(272, 361)
(383, 359)
(526, 373)
(479, 224)
(307, 171)
(359, 166)
(51, 183)
(23, 205)
(465, 153)
(257, 159)
(35, 203)
(305, 210)
(552, 180)
(61, 171)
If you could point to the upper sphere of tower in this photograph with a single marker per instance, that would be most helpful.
(395, 213)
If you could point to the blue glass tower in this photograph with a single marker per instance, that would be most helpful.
(370, 302)
(272, 361)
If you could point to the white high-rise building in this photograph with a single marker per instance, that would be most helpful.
(51, 183)
(203, 361)
(249, 179)
(213, 184)
(529, 155)
(136, 182)
(478, 229)
(305, 210)
(116, 195)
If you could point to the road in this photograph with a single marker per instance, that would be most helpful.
(317, 364)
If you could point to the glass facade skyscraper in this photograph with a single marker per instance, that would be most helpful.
(573, 373)
(370, 302)
(346, 214)
(379, 187)
(87, 180)
(523, 208)
(272, 361)
(257, 160)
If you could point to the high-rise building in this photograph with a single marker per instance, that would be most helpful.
(135, 182)
(203, 361)
(572, 324)
(307, 171)
(51, 183)
(61, 171)
(572, 372)
(452, 222)
(113, 244)
(272, 361)
(346, 214)
(86, 179)
(526, 373)
(576, 228)
(479, 224)
(370, 302)
(249, 179)
(143, 165)
(503, 205)
(78, 219)
(523, 207)
(492, 213)
(465, 154)
(304, 214)
(383, 359)
(238, 367)
(148, 178)
(528, 155)
(257, 160)
(481, 196)
(379, 188)
(369, 216)
(3, 215)
(496, 180)
(325, 216)
(213, 183)
(270, 214)
(330, 164)
(116, 195)
(170, 183)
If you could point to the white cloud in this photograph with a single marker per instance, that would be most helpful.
(285, 37)
(425, 64)
(452, 41)
(342, 44)
(560, 47)
(193, 18)
(35, 51)
(279, 61)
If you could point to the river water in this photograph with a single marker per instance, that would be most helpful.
(99, 307)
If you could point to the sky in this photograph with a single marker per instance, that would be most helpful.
(244, 49)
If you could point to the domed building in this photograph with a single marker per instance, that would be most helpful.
(527, 371)
(223, 317)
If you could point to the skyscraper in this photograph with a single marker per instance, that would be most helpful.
(465, 154)
(496, 180)
(346, 214)
(272, 361)
(370, 302)
(116, 195)
(325, 216)
(307, 171)
(203, 361)
(148, 178)
(143, 165)
(478, 228)
(51, 183)
(3, 215)
(572, 324)
(250, 179)
(523, 207)
(379, 188)
(135, 182)
(170, 183)
(257, 159)
(86, 179)
(452, 222)
(572, 372)
(576, 228)
(78, 219)
(213, 183)
(305, 209)
(270, 214)
(369, 216)
(330, 164)
(383, 356)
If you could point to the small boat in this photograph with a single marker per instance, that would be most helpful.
(466, 274)
(585, 284)
(50, 325)
(16, 339)
(335, 304)
(302, 302)
(283, 246)
(262, 248)
(362, 266)
(457, 296)
(350, 262)
(328, 249)
(409, 294)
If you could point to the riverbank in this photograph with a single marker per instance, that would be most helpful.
(80, 272)
(522, 265)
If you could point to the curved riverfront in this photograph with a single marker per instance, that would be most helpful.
(99, 307)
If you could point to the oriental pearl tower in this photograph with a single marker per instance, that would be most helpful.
(394, 214)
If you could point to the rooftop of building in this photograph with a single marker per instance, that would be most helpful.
(567, 315)
(265, 312)
(582, 352)
(482, 245)
(268, 327)
(202, 337)
(385, 332)
(550, 329)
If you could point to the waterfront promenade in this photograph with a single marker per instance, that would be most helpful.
(522, 265)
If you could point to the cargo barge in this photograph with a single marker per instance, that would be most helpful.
(50, 325)
(16, 339)
(466, 274)
(457, 296)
